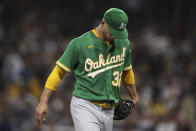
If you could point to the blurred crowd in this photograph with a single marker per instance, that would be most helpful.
(34, 34)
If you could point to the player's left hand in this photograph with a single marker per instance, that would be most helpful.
(135, 100)
(123, 109)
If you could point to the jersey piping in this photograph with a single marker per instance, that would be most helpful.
(128, 68)
(63, 66)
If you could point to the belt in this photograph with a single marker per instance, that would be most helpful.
(104, 104)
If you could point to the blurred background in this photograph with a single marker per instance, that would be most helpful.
(35, 33)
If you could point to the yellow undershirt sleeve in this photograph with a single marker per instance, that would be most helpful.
(128, 77)
(55, 78)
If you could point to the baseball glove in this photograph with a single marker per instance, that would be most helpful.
(123, 109)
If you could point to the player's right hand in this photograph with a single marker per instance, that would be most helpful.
(41, 112)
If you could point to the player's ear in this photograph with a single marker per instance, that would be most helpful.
(102, 22)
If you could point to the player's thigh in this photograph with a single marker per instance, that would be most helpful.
(108, 126)
(108, 119)
(83, 125)
(84, 116)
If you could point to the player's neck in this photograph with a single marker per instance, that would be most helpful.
(99, 32)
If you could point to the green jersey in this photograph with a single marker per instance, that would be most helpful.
(97, 66)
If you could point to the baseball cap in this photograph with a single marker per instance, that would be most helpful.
(117, 21)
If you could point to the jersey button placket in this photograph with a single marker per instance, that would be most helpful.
(107, 75)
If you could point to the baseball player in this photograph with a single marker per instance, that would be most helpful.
(100, 59)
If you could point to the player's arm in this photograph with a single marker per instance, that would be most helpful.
(51, 84)
(129, 80)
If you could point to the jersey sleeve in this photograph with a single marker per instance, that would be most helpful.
(69, 59)
(127, 63)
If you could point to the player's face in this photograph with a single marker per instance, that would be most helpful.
(106, 33)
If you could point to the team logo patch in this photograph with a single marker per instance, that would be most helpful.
(90, 46)
(122, 26)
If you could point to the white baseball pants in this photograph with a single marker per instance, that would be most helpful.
(90, 117)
